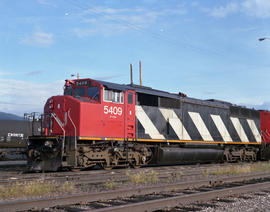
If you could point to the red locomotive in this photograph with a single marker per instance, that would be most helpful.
(111, 125)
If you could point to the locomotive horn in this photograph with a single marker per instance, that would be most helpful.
(140, 63)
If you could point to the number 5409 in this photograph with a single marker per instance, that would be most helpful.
(113, 110)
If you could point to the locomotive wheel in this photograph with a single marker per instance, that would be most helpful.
(136, 166)
(106, 167)
(75, 169)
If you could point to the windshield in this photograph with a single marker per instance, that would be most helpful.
(68, 90)
(79, 91)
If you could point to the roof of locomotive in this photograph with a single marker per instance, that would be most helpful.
(138, 89)
(151, 91)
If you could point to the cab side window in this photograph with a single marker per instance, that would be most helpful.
(113, 96)
(93, 92)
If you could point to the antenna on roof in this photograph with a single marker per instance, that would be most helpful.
(78, 76)
(140, 64)
(131, 75)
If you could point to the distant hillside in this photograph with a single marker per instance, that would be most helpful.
(9, 116)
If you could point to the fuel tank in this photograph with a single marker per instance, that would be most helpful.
(167, 155)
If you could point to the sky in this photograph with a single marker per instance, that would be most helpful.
(207, 49)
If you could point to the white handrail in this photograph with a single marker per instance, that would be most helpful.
(75, 138)
(61, 125)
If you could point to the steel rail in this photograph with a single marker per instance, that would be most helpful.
(94, 174)
(185, 199)
(15, 205)
(116, 177)
(100, 177)
(162, 170)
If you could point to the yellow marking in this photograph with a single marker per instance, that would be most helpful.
(168, 141)
(89, 138)
(114, 139)
(202, 142)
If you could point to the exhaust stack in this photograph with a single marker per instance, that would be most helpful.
(131, 75)
(140, 63)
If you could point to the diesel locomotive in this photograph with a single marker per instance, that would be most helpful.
(113, 125)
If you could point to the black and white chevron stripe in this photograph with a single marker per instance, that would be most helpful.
(195, 123)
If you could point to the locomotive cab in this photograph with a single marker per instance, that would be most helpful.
(85, 89)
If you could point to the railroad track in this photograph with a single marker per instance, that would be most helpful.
(97, 174)
(148, 198)
(98, 180)
(101, 176)
(180, 199)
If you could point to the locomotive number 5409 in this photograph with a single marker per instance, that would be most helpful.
(113, 110)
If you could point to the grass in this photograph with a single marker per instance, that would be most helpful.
(35, 188)
(235, 170)
(174, 177)
(238, 169)
(111, 184)
(142, 177)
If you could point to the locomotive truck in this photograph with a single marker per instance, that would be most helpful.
(113, 125)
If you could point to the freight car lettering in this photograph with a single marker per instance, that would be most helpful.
(20, 135)
(113, 110)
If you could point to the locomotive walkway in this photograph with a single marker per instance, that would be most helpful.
(204, 190)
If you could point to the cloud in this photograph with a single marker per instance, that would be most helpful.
(83, 32)
(194, 4)
(19, 96)
(110, 20)
(47, 3)
(110, 77)
(4, 73)
(39, 38)
(31, 73)
(257, 8)
(262, 106)
(223, 11)
(209, 93)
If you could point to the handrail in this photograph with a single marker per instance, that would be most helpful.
(75, 138)
(61, 125)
